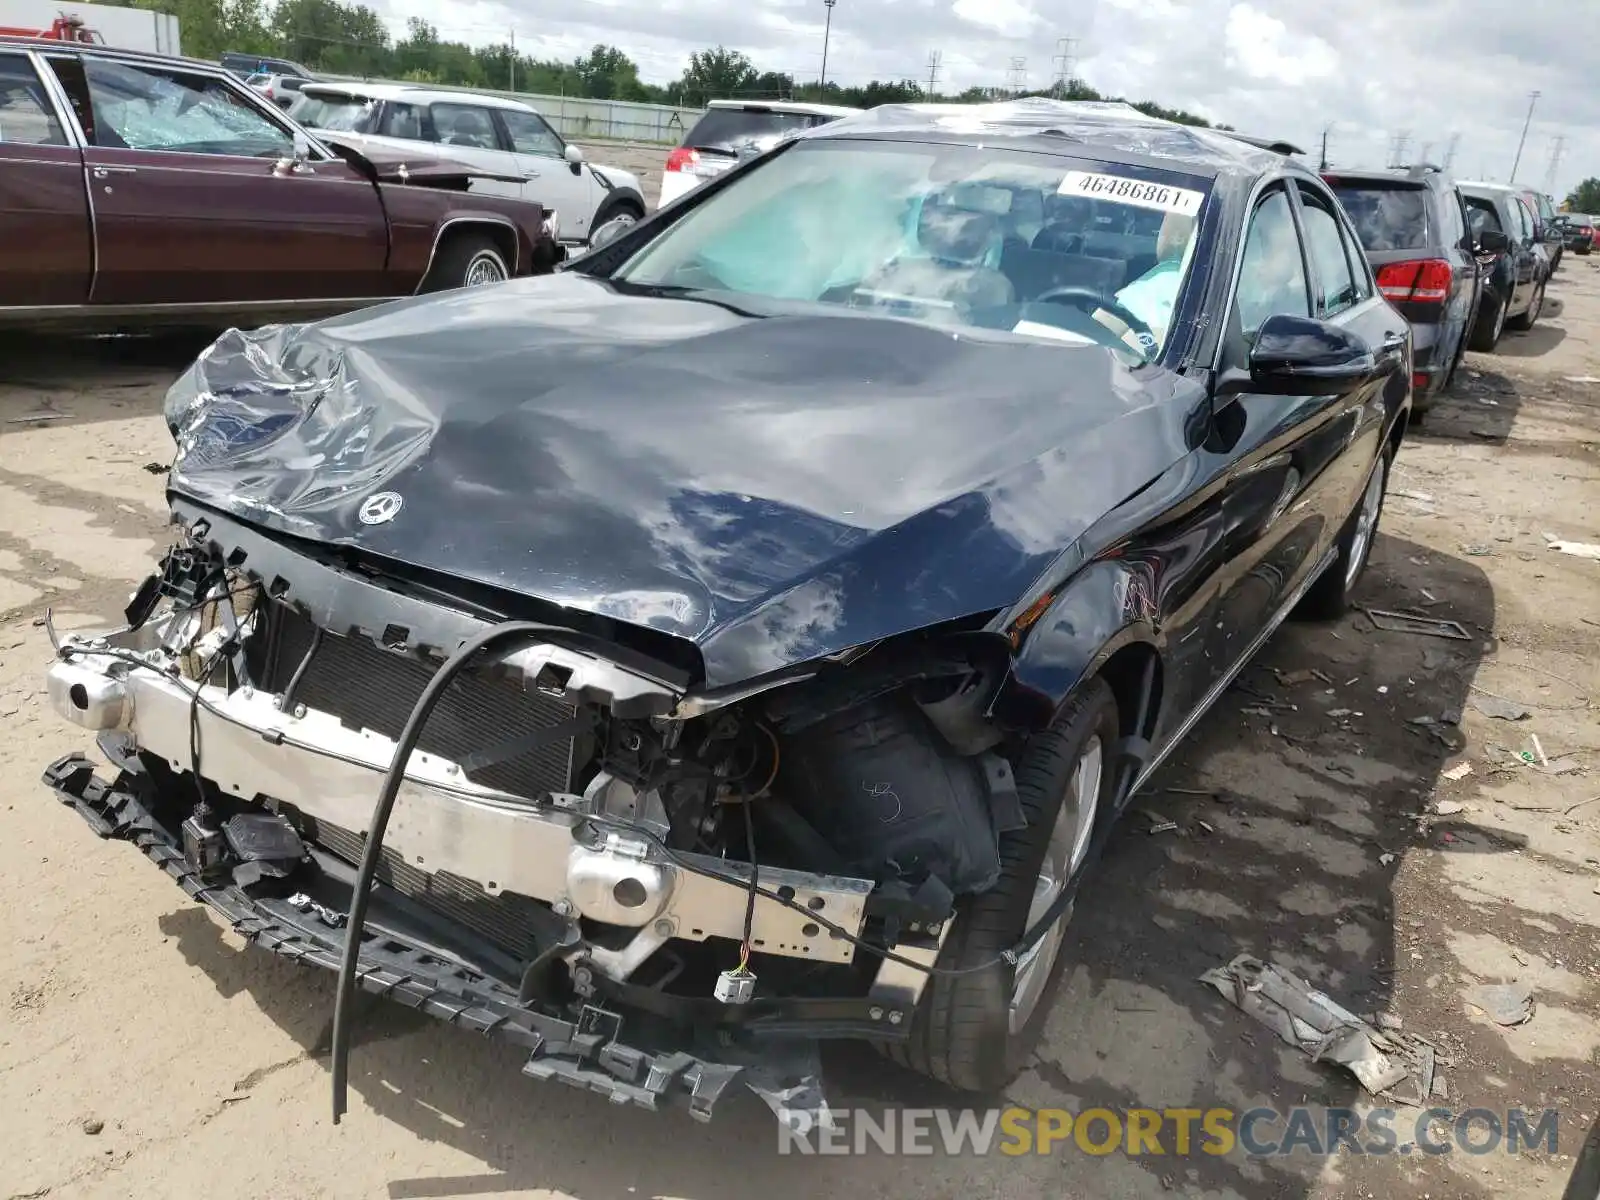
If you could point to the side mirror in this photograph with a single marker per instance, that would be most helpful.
(1302, 356)
(1492, 241)
(302, 146)
(574, 156)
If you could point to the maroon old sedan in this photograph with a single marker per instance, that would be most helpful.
(137, 189)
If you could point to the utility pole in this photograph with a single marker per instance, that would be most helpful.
(1450, 152)
(1017, 76)
(934, 57)
(827, 30)
(513, 86)
(1066, 64)
(1322, 164)
(1533, 98)
(1398, 146)
(1555, 162)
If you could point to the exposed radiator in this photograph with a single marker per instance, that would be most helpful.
(505, 920)
(368, 687)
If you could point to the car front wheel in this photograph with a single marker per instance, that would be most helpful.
(1490, 324)
(977, 1031)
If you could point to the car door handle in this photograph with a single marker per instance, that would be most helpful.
(107, 172)
(1393, 342)
(530, 174)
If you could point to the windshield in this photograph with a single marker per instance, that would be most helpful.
(977, 237)
(740, 130)
(1386, 218)
(339, 114)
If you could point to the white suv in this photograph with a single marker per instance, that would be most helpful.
(494, 134)
(730, 131)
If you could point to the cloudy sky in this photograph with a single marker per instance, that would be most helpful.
(1371, 69)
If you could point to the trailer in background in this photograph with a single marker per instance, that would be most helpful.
(128, 28)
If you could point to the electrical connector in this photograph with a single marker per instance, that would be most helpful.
(735, 987)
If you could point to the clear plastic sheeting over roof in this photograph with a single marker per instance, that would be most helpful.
(1108, 128)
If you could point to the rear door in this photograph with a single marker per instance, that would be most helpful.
(45, 239)
(196, 200)
(550, 180)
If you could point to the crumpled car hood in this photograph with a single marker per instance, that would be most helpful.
(772, 488)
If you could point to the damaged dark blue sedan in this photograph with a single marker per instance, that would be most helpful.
(750, 634)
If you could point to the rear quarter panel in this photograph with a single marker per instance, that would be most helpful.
(419, 217)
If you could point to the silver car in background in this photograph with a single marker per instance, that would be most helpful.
(493, 133)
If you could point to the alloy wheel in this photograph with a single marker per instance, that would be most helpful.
(1069, 843)
(1366, 525)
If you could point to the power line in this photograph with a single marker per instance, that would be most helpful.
(1399, 147)
(1533, 98)
(1066, 64)
(1555, 162)
(1017, 75)
(1450, 152)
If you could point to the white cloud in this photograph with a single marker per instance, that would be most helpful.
(1263, 48)
(1370, 69)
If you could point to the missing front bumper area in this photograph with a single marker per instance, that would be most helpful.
(764, 1044)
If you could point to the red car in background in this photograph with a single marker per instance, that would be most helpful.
(138, 189)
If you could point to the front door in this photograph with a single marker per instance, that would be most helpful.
(45, 250)
(551, 180)
(1298, 459)
(196, 199)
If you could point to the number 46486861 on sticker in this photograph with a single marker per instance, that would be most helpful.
(1141, 192)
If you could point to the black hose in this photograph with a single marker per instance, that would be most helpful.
(344, 997)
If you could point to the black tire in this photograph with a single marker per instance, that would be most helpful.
(1491, 322)
(460, 257)
(1526, 321)
(960, 1033)
(1329, 597)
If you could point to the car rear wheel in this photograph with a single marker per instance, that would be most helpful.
(1330, 596)
(467, 260)
(1528, 319)
(1489, 326)
(976, 1032)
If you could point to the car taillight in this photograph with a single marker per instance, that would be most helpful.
(1417, 281)
(683, 159)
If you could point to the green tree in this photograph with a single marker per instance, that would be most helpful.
(1585, 198)
(716, 72)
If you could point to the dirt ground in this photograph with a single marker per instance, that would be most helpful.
(145, 1052)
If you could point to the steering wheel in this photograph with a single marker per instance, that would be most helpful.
(1091, 298)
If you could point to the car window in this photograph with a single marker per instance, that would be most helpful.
(339, 114)
(530, 134)
(984, 237)
(1272, 277)
(26, 115)
(1386, 218)
(1360, 268)
(1526, 217)
(1453, 217)
(464, 125)
(741, 131)
(1482, 216)
(403, 121)
(1325, 248)
(152, 108)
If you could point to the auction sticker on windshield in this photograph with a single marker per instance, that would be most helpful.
(1162, 197)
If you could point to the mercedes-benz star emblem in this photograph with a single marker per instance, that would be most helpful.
(379, 508)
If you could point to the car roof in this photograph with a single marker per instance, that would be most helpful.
(786, 106)
(415, 94)
(1107, 130)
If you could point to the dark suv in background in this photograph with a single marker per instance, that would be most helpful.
(1578, 230)
(1413, 226)
(1511, 250)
